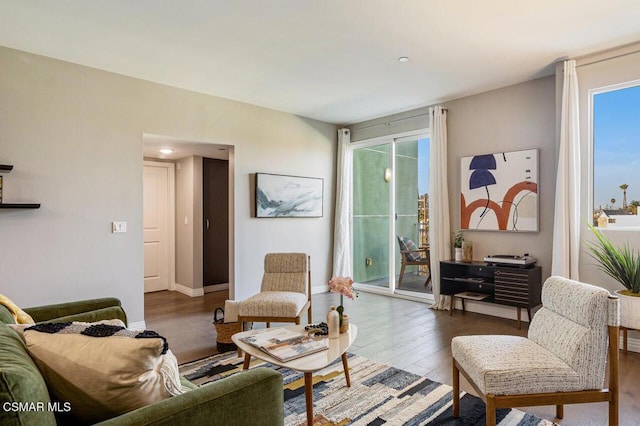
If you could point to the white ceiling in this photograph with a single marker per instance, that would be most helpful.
(331, 60)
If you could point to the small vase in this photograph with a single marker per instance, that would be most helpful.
(333, 323)
(467, 251)
(459, 255)
(344, 327)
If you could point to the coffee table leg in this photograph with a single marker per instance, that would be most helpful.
(345, 365)
(247, 360)
(308, 396)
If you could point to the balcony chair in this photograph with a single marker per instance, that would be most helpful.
(411, 255)
(562, 361)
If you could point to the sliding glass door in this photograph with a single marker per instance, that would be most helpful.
(371, 214)
(390, 200)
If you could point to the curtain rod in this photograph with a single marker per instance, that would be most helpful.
(597, 61)
(388, 123)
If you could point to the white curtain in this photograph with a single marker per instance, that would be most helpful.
(566, 224)
(342, 231)
(439, 230)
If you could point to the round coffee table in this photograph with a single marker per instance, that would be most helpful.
(307, 364)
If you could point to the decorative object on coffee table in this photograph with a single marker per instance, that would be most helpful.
(344, 287)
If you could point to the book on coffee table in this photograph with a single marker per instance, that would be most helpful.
(285, 345)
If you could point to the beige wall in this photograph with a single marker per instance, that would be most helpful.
(189, 222)
(184, 221)
(509, 119)
(594, 72)
(74, 135)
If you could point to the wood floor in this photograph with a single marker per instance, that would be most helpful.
(401, 333)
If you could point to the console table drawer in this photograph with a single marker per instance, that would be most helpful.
(480, 271)
(512, 276)
(510, 295)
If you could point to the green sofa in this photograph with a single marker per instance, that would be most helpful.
(254, 397)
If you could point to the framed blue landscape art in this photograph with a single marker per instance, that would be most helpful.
(288, 196)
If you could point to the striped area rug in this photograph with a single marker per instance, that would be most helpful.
(379, 395)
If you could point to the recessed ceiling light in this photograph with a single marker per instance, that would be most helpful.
(403, 59)
(166, 150)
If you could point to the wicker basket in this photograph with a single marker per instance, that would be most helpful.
(224, 331)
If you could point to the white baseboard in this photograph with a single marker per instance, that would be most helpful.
(216, 287)
(138, 325)
(320, 289)
(192, 292)
(633, 345)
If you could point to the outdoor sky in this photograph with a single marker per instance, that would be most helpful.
(423, 166)
(616, 146)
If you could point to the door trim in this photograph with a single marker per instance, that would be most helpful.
(171, 216)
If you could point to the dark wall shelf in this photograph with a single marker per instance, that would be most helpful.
(6, 168)
(19, 206)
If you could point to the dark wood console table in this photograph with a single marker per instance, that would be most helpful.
(511, 286)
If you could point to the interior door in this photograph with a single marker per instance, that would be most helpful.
(215, 203)
(156, 227)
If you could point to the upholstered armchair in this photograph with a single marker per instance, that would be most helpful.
(285, 292)
(562, 361)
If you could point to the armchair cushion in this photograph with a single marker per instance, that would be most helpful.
(409, 249)
(273, 304)
(512, 365)
(285, 272)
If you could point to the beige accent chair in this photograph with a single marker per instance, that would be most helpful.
(285, 292)
(562, 361)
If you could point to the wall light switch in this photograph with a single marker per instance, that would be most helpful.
(118, 227)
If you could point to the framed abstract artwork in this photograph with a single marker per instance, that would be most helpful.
(288, 196)
(499, 192)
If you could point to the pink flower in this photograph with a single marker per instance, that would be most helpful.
(343, 286)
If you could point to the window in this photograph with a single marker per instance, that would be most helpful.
(616, 156)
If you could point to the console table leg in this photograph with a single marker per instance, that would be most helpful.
(451, 306)
(519, 314)
(308, 396)
(529, 315)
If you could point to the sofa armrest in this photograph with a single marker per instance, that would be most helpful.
(253, 397)
(79, 311)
